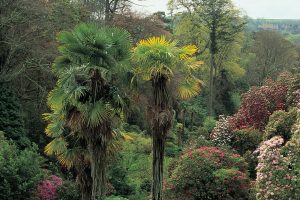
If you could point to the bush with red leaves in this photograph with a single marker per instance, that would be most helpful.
(208, 173)
(258, 104)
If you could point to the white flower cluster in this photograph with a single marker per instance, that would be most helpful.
(268, 161)
(221, 134)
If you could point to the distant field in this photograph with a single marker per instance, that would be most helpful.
(286, 26)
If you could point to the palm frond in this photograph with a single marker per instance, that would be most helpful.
(56, 98)
(189, 88)
(56, 147)
(187, 51)
(95, 113)
(121, 43)
(55, 128)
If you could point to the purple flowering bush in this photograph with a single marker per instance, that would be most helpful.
(47, 188)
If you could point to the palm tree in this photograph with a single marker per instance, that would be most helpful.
(86, 104)
(170, 71)
(70, 151)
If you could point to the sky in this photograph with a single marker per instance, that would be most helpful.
(268, 9)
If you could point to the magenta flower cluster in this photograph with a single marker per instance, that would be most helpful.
(47, 188)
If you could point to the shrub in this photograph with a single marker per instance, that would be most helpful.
(221, 134)
(46, 189)
(268, 162)
(291, 161)
(209, 124)
(197, 142)
(20, 171)
(293, 83)
(69, 190)
(125, 171)
(278, 170)
(246, 140)
(280, 123)
(116, 198)
(11, 121)
(258, 104)
(208, 173)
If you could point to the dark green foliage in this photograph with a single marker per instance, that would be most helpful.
(280, 123)
(252, 161)
(246, 140)
(130, 170)
(293, 83)
(11, 121)
(172, 150)
(20, 171)
(223, 102)
(209, 124)
(69, 190)
(115, 198)
(118, 178)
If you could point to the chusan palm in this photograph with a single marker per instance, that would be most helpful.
(170, 71)
(86, 104)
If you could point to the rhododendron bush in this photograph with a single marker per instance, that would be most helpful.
(278, 171)
(208, 173)
(221, 135)
(47, 189)
(258, 104)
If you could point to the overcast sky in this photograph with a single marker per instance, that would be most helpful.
(275, 9)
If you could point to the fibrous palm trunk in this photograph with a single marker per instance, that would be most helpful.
(85, 181)
(161, 123)
(98, 168)
(98, 141)
(157, 165)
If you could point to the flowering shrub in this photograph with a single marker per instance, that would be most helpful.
(293, 82)
(258, 104)
(47, 189)
(268, 162)
(291, 153)
(297, 99)
(221, 134)
(278, 169)
(208, 173)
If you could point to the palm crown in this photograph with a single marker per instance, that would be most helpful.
(157, 57)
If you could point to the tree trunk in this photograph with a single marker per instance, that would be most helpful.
(211, 71)
(192, 120)
(107, 11)
(98, 167)
(161, 123)
(85, 181)
(157, 165)
(182, 129)
(213, 50)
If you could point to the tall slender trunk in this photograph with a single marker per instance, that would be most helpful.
(85, 181)
(161, 123)
(98, 151)
(192, 120)
(211, 85)
(157, 165)
(181, 131)
(213, 50)
(98, 139)
(107, 11)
